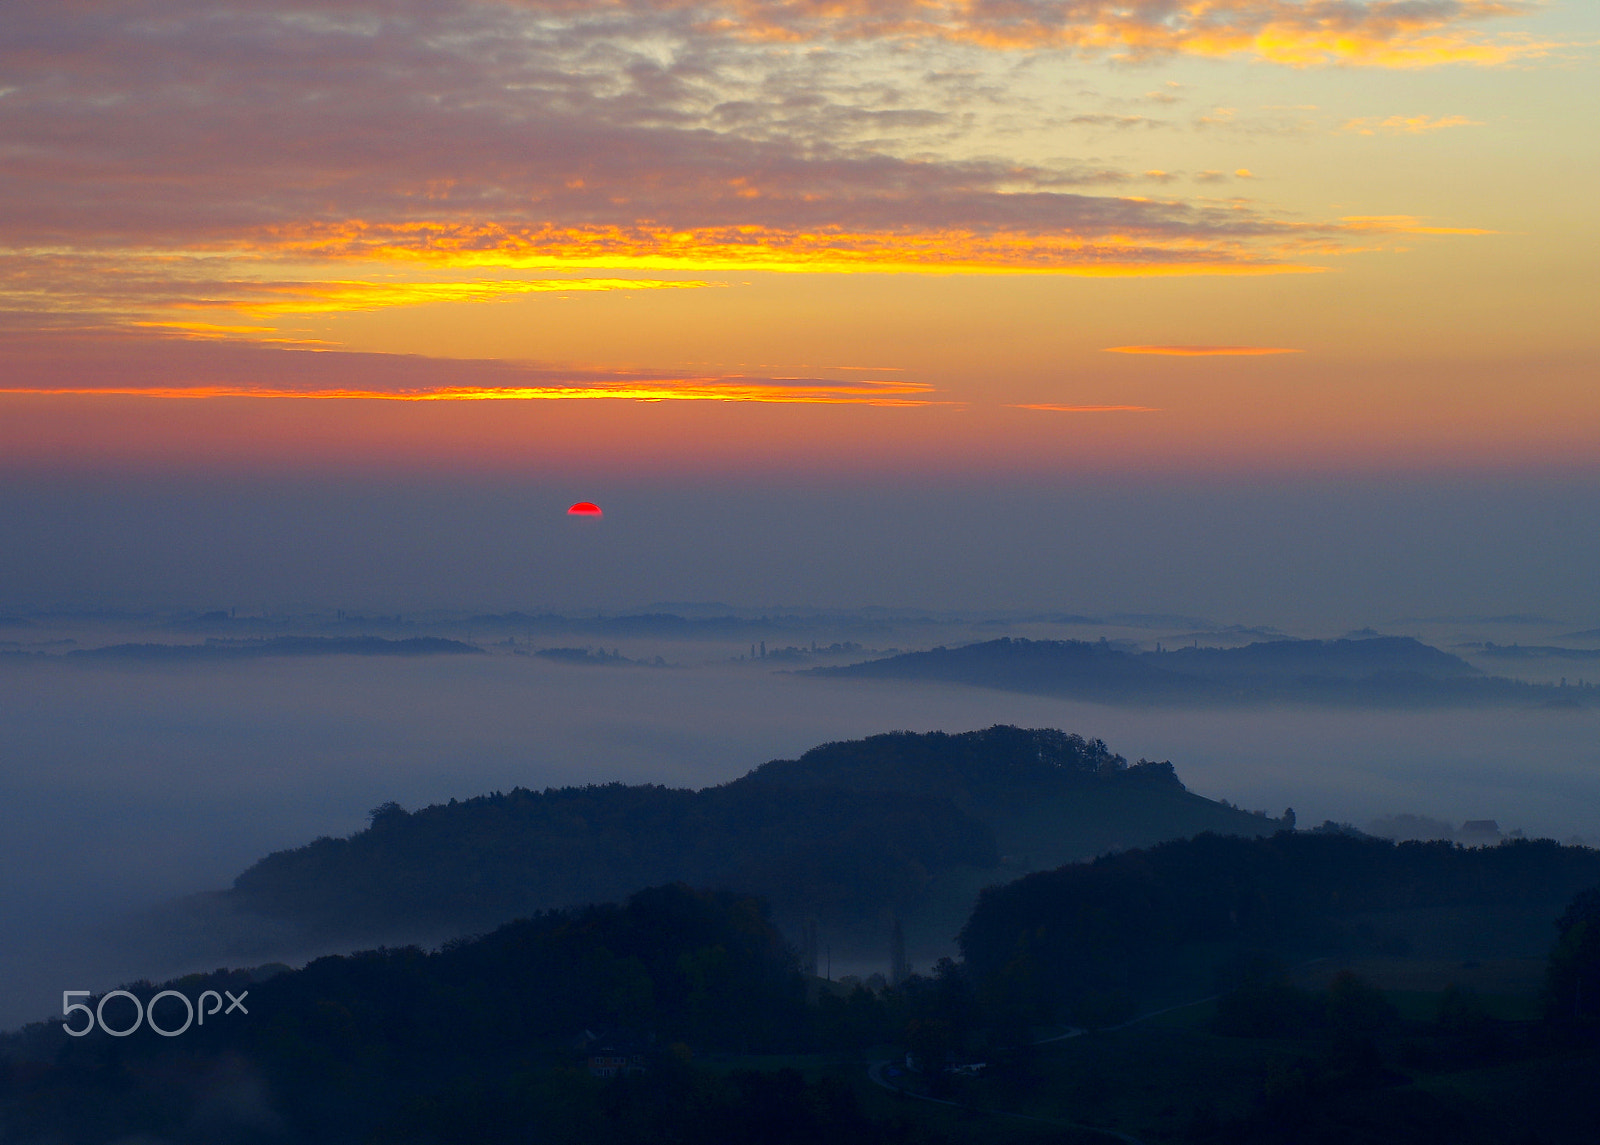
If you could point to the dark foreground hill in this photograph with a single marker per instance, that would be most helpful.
(399, 1045)
(850, 834)
(686, 994)
(1383, 671)
(1082, 937)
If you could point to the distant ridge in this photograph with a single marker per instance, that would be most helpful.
(282, 646)
(1538, 652)
(1381, 671)
(665, 625)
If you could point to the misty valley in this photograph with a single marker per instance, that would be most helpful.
(1006, 934)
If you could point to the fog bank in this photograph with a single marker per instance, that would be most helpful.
(125, 785)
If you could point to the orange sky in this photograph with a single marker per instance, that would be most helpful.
(1309, 237)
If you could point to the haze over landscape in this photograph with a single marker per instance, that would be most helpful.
(151, 776)
(1214, 382)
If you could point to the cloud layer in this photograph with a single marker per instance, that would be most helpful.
(1390, 33)
(109, 363)
(187, 154)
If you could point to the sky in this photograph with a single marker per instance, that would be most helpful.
(821, 290)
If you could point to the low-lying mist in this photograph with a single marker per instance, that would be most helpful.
(127, 784)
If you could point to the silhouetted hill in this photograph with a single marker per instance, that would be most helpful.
(991, 769)
(1125, 924)
(400, 1038)
(1340, 659)
(470, 865)
(1538, 652)
(849, 833)
(1384, 671)
(1050, 797)
(508, 1037)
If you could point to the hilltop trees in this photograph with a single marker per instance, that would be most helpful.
(1069, 939)
(1572, 991)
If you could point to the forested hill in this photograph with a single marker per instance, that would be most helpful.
(1122, 926)
(1383, 671)
(696, 1005)
(473, 1043)
(912, 824)
(1050, 797)
(466, 866)
(1338, 659)
(989, 769)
